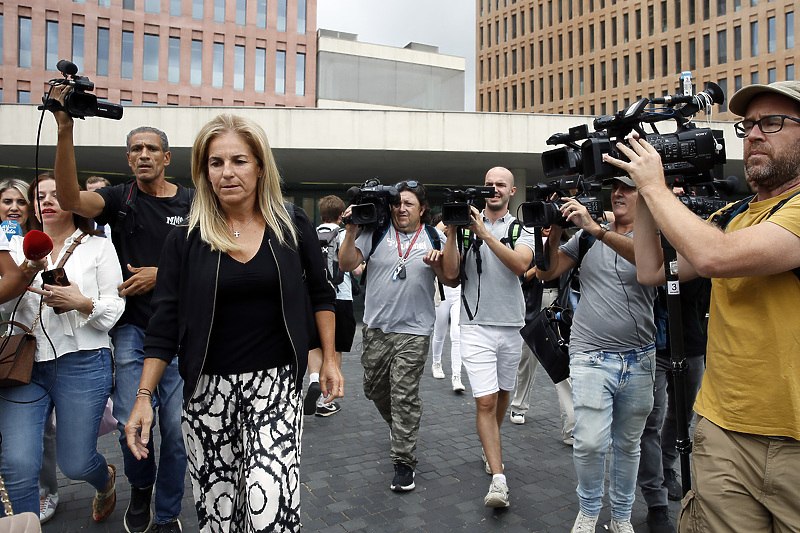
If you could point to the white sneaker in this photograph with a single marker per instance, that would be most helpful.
(497, 495)
(457, 385)
(623, 526)
(584, 523)
(438, 373)
(47, 507)
(517, 418)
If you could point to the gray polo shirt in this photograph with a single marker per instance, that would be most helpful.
(401, 305)
(501, 301)
(616, 311)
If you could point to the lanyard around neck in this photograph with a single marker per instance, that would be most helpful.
(410, 246)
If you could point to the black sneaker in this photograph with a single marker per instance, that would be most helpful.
(674, 488)
(403, 478)
(328, 409)
(169, 527)
(658, 520)
(310, 401)
(138, 516)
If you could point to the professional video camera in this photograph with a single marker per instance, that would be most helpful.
(690, 151)
(371, 204)
(79, 103)
(543, 213)
(457, 210)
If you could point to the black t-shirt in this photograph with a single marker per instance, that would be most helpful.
(248, 333)
(139, 234)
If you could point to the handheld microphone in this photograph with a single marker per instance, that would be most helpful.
(11, 228)
(36, 245)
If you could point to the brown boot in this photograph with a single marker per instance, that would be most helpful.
(104, 502)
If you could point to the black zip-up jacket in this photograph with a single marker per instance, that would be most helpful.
(185, 295)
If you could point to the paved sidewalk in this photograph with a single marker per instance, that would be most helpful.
(346, 470)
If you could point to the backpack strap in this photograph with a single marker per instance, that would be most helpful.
(514, 230)
(126, 216)
(377, 237)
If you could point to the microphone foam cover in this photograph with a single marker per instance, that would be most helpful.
(36, 245)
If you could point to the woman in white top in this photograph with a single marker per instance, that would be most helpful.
(72, 371)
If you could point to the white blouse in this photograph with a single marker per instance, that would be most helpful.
(94, 267)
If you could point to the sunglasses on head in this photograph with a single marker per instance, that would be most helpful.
(410, 184)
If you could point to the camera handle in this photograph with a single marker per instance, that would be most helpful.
(677, 359)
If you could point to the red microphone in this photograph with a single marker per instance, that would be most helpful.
(36, 245)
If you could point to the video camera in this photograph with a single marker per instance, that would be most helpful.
(458, 208)
(543, 213)
(690, 151)
(79, 103)
(371, 204)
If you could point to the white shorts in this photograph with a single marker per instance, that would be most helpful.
(491, 356)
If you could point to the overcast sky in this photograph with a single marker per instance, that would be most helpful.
(448, 24)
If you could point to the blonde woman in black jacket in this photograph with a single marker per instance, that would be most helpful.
(239, 295)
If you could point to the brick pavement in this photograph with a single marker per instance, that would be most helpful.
(346, 471)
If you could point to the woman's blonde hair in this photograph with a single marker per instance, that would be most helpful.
(206, 212)
(21, 186)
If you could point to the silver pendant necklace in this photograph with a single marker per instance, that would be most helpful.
(237, 233)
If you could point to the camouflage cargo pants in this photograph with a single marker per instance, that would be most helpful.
(393, 366)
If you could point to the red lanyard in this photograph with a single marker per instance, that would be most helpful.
(410, 246)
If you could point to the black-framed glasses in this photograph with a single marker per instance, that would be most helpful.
(768, 124)
(411, 184)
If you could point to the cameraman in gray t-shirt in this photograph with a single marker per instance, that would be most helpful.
(398, 316)
(612, 354)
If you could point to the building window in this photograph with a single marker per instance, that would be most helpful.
(104, 3)
(692, 54)
(560, 85)
(591, 78)
(651, 24)
(126, 65)
(551, 86)
(513, 61)
(569, 44)
(706, 9)
(722, 7)
(790, 31)
(591, 37)
(505, 29)
(513, 26)
(489, 34)
(580, 80)
(691, 8)
(754, 39)
(513, 97)
(197, 9)
(638, 23)
(241, 12)
(754, 77)
(24, 44)
(561, 48)
(613, 31)
(771, 46)
(651, 57)
(638, 66)
(602, 75)
(218, 65)
(570, 83)
(152, 6)
(706, 50)
(602, 35)
(541, 17)
(174, 74)
(281, 16)
(737, 82)
(580, 41)
(522, 58)
(663, 15)
(771, 75)
(51, 45)
(677, 15)
(129, 4)
(489, 70)
(737, 5)
(77, 45)
(23, 97)
(301, 17)
(549, 49)
(522, 32)
(678, 57)
(261, 13)
(197, 63)
(280, 72)
(102, 51)
(664, 61)
(238, 67)
(150, 59)
(789, 72)
(614, 73)
(722, 47)
(219, 10)
(175, 8)
(737, 43)
(625, 31)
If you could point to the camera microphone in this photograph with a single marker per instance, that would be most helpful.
(729, 185)
(352, 192)
(36, 245)
(67, 67)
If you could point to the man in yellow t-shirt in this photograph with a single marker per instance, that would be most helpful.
(746, 454)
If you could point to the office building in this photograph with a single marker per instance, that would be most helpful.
(164, 52)
(595, 57)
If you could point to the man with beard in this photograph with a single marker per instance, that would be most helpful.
(493, 310)
(746, 465)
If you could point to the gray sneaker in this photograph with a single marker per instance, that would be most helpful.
(620, 526)
(584, 523)
(497, 495)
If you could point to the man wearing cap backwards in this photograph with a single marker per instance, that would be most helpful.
(746, 466)
(612, 355)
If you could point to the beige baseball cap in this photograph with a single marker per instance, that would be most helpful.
(739, 101)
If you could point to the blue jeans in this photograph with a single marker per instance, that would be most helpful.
(613, 395)
(79, 394)
(168, 399)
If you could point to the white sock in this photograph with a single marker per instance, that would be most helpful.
(313, 378)
(501, 477)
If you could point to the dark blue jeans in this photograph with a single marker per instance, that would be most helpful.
(79, 396)
(168, 399)
(651, 471)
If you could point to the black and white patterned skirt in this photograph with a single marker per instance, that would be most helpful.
(242, 435)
